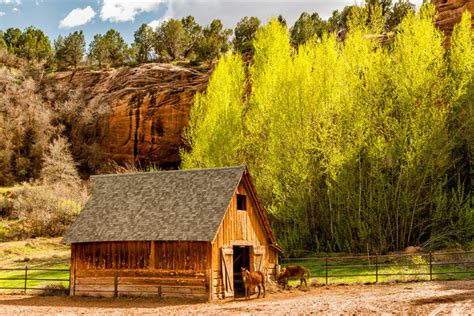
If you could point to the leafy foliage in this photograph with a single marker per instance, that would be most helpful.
(213, 41)
(31, 44)
(244, 33)
(306, 27)
(109, 49)
(352, 145)
(144, 39)
(70, 50)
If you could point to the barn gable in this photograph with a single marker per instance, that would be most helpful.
(179, 205)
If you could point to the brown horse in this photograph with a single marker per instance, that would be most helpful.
(293, 272)
(251, 280)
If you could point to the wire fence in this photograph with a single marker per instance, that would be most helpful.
(38, 279)
(388, 268)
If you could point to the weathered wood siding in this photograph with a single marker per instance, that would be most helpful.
(241, 228)
(156, 268)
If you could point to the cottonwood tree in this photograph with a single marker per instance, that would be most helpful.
(58, 164)
(349, 149)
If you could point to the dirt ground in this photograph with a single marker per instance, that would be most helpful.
(424, 298)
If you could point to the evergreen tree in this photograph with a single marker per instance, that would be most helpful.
(70, 50)
(214, 41)
(144, 38)
(306, 27)
(109, 49)
(244, 33)
(193, 32)
(171, 39)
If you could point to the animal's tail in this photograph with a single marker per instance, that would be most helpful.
(308, 274)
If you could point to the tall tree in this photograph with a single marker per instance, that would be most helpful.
(171, 39)
(144, 38)
(3, 44)
(349, 149)
(306, 27)
(244, 33)
(33, 44)
(214, 41)
(193, 32)
(70, 50)
(398, 11)
(12, 38)
(59, 166)
(98, 50)
(109, 49)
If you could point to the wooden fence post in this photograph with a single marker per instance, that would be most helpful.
(376, 268)
(431, 267)
(326, 270)
(26, 277)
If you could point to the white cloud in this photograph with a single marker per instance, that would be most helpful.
(77, 17)
(2, 13)
(14, 2)
(15, 10)
(169, 14)
(126, 10)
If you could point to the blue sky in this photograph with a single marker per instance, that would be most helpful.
(56, 17)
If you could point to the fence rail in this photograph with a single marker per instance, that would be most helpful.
(386, 268)
(33, 275)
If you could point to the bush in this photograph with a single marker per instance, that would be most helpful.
(55, 289)
(47, 210)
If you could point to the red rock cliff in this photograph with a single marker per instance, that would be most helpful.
(450, 13)
(147, 108)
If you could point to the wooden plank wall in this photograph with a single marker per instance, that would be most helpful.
(240, 228)
(160, 269)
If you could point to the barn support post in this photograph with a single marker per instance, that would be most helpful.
(210, 286)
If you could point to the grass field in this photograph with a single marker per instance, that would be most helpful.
(36, 254)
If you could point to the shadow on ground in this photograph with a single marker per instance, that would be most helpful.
(94, 302)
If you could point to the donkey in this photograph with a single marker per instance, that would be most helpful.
(293, 272)
(251, 280)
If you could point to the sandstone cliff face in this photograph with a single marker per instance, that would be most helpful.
(450, 13)
(146, 109)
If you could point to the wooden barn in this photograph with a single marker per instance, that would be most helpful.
(171, 234)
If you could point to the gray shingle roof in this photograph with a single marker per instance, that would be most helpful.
(167, 205)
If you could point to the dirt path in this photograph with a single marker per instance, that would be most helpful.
(435, 298)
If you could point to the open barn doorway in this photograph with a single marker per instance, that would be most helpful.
(241, 260)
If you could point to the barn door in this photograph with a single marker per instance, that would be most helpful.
(259, 258)
(227, 265)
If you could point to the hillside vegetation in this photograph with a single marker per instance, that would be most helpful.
(354, 146)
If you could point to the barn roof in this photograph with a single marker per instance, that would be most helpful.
(167, 205)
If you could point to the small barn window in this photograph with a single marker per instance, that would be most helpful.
(241, 202)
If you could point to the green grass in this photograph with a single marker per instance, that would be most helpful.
(404, 269)
(33, 274)
(39, 253)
